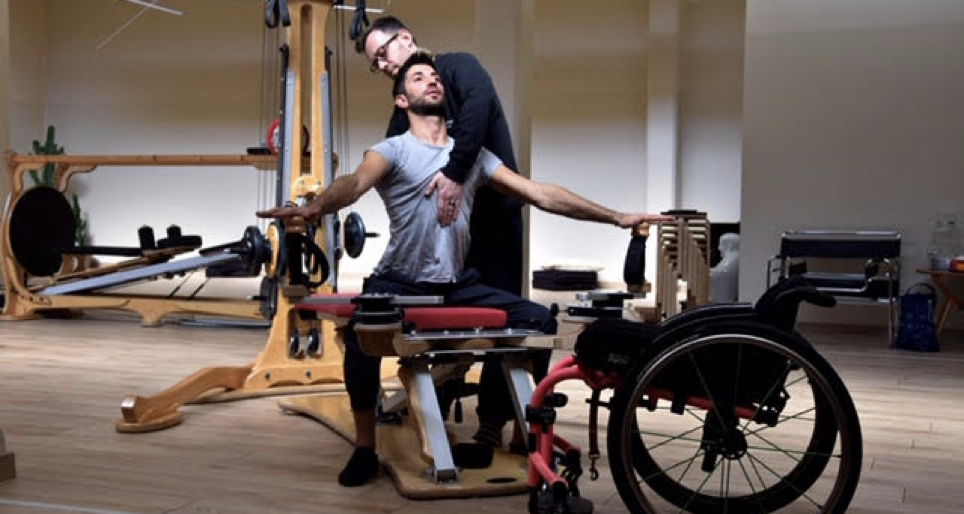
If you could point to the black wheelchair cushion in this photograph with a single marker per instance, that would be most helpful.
(613, 344)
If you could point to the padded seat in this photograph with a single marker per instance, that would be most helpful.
(422, 318)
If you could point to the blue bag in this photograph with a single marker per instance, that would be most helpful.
(917, 331)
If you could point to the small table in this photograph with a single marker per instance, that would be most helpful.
(951, 283)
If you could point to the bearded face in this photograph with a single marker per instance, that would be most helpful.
(424, 91)
(426, 106)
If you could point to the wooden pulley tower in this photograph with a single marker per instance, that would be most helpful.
(298, 352)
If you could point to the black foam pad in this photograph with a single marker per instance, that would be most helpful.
(172, 242)
(41, 229)
(634, 268)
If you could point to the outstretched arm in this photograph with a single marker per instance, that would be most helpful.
(559, 200)
(342, 192)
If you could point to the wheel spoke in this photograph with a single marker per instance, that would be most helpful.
(673, 438)
(706, 389)
(725, 483)
(674, 466)
(695, 415)
(726, 495)
(670, 438)
(739, 365)
(775, 448)
(749, 482)
(759, 477)
(700, 488)
(699, 452)
(784, 480)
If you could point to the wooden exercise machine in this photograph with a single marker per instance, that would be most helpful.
(287, 364)
(682, 254)
(37, 232)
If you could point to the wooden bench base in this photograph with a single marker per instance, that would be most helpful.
(396, 444)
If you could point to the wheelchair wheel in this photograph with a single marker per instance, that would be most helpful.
(735, 418)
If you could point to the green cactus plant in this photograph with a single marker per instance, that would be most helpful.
(80, 223)
(45, 177)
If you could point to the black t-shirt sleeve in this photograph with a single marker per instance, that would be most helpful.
(397, 124)
(477, 96)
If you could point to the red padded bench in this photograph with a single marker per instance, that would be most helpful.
(423, 318)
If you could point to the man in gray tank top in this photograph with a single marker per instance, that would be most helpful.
(420, 248)
(424, 258)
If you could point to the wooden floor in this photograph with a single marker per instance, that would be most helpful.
(61, 383)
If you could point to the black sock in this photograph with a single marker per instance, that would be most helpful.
(361, 467)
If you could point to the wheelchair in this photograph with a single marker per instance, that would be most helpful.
(719, 409)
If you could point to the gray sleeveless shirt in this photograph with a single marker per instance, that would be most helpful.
(419, 248)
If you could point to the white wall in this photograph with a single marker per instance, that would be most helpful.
(589, 118)
(28, 46)
(588, 123)
(163, 86)
(711, 108)
(192, 84)
(853, 118)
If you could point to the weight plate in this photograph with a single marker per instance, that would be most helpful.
(354, 229)
(268, 297)
(273, 137)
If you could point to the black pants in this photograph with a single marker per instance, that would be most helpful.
(362, 378)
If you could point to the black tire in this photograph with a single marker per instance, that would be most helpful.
(695, 363)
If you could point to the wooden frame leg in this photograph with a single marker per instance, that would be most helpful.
(945, 311)
(160, 411)
(424, 407)
(951, 302)
(272, 372)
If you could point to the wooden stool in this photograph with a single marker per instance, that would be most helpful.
(424, 338)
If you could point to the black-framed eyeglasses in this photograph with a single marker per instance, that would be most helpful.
(380, 54)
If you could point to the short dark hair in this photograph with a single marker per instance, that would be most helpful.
(419, 57)
(387, 24)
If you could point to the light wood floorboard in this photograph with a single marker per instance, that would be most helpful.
(61, 383)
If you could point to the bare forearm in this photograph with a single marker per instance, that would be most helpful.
(559, 200)
(341, 193)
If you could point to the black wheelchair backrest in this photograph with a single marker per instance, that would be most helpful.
(779, 304)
